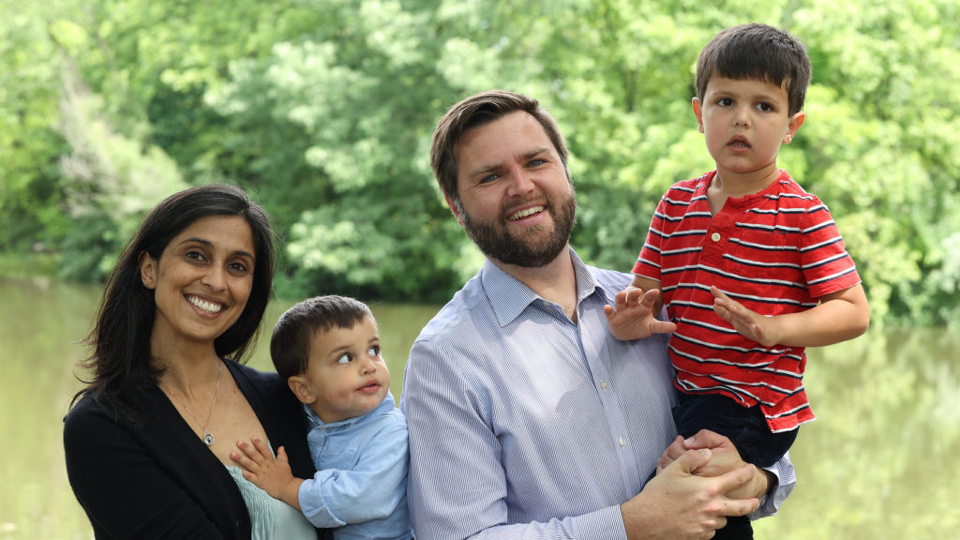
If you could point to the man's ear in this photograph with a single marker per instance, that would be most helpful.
(148, 271)
(698, 112)
(301, 389)
(455, 208)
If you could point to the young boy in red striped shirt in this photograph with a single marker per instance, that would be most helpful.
(751, 267)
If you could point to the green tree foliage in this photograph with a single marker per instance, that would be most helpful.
(30, 146)
(324, 110)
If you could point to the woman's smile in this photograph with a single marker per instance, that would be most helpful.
(202, 280)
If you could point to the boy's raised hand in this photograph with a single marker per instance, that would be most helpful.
(750, 324)
(271, 474)
(633, 318)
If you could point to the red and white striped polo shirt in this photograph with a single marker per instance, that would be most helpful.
(775, 252)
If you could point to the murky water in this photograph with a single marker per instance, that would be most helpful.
(880, 461)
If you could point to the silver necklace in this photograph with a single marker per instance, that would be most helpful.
(208, 437)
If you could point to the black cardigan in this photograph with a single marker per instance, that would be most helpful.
(156, 479)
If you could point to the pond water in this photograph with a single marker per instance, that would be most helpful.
(878, 462)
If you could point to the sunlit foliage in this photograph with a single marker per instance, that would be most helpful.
(324, 109)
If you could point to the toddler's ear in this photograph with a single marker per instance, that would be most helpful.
(301, 389)
(698, 112)
(795, 122)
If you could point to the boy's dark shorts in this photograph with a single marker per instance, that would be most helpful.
(745, 427)
(747, 430)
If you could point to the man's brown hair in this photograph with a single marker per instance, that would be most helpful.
(476, 111)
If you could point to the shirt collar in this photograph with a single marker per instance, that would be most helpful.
(509, 297)
(314, 421)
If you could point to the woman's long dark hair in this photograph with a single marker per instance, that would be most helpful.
(120, 361)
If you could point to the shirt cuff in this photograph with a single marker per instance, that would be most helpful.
(784, 481)
(314, 508)
(604, 524)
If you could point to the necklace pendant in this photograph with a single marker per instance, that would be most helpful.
(208, 438)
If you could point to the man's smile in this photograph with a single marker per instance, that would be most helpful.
(526, 212)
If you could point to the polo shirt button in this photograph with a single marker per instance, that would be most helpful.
(715, 237)
(603, 385)
(623, 442)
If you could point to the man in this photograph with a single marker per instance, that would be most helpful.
(527, 418)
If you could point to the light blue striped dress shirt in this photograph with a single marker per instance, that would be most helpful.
(524, 424)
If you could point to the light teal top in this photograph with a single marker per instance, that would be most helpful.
(271, 518)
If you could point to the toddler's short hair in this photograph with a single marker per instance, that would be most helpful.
(294, 331)
(757, 51)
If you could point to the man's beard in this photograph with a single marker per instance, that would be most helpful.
(495, 241)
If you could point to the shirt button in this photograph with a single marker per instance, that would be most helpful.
(623, 442)
(715, 237)
(603, 385)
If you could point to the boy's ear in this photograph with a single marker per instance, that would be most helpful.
(795, 122)
(455, 208)
(148, 271)
(301, 389)
(698, 112)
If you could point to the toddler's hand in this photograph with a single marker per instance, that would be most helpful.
(271, 474)
(750, 324)
(633, 316)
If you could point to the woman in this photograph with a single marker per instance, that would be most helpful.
(148, 440)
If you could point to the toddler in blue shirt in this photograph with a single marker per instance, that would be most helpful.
(328, 350)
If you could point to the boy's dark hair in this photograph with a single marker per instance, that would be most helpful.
(290, 343)
(475, 111)
(757, 51)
